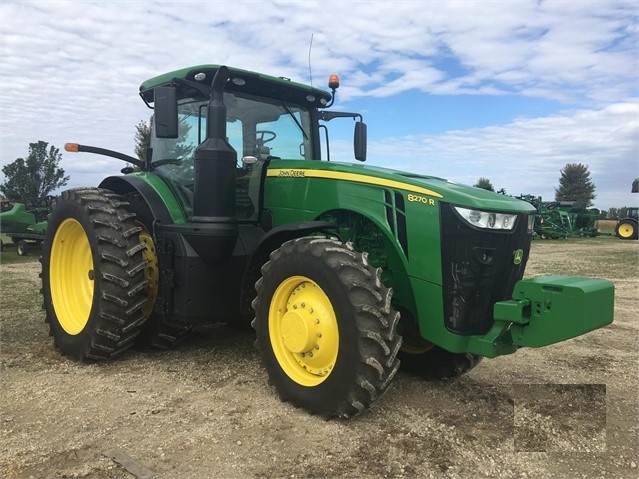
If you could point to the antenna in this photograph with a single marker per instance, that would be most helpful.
(310, 72)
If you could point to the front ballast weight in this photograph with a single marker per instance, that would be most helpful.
(547, 310)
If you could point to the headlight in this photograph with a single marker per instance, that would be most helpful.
(489, 220)
(531, 223)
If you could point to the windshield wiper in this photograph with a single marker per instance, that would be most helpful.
(299, 125)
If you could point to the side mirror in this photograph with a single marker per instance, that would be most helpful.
(165, 106)
(359, 141)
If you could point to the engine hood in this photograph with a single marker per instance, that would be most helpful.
(431, 187)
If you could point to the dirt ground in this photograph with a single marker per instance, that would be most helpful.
(205, 409)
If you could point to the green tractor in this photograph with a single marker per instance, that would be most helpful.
(238, 216)
(25, 222)
(627, 226)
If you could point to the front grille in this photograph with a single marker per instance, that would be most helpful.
(478, 269)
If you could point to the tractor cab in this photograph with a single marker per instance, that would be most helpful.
(264, 118)
(257, 129)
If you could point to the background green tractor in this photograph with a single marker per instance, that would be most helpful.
(25, 222)
(627, 226)
(343, 270)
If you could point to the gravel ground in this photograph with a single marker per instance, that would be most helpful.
(205, 409)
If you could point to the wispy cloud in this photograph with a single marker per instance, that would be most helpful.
(69, 71)
(526, 156)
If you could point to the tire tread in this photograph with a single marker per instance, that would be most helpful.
(115, 318)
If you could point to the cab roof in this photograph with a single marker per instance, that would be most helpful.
(252, 83)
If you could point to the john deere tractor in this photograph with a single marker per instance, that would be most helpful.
(627, 226)
(238, 215)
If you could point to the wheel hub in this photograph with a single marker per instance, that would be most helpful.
(297, 332)
(303, 330)
(151, 272)
(626, 230)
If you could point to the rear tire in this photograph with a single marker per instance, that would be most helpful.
(156, 333)
(626, 229)
(93, 274)
(325, 327)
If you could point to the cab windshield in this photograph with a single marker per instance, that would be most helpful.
(255, 127)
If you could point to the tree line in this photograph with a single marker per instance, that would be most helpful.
(575, 185)
(39, 174)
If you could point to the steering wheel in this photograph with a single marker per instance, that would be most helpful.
(264, 136)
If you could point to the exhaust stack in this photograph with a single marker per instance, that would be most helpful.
(214, 229)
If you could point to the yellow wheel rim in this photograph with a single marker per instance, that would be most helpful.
(303, 331)
(626, 230)
(151, 272)
(71, 276)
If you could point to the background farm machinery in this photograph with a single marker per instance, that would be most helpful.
(562, 219)
(627, 225)
(24, 221)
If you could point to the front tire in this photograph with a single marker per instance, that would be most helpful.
(437, 363)
(93, 274)
(325, 328)
(424, 359)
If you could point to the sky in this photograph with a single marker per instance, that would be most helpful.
(507, 90)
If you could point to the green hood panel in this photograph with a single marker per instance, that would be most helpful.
(432, 188)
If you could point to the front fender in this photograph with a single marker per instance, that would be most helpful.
(154, 191)
(269, 243)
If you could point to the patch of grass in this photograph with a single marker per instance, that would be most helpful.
(601, 257)
(606, 227)
(9, 255)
